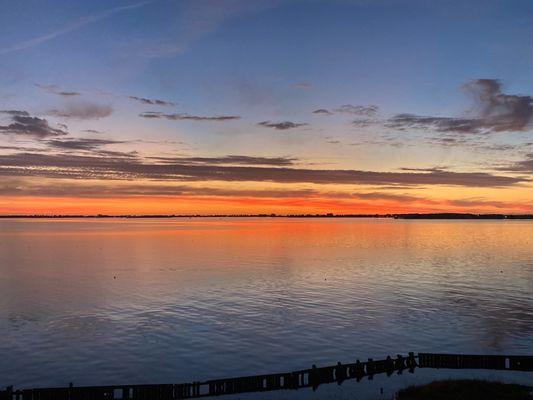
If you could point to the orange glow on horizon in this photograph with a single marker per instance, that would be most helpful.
(209, 205)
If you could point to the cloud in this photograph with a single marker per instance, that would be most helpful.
(154, 102)
(72, 26)
(187, 117)
(197, 19)
(89, 167)
(24, 124)
(434, 169)
(21, 148)
(387, 197)
(364, 122)
(439, 124)
(281, 125)
(363, 111)
(500, 112)
(368, 111)
(322, 111)
(473, 203)
(83, 110)
(228, 160)
(474, 143)
(450, 140)
(56, 90)
(493, 111)
(85, 144)
(470, 203)
(525, 166)
(18, 187)
(15, 113)
(301, 85)
(268, 197)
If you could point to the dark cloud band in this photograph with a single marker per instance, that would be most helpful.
(88, 167)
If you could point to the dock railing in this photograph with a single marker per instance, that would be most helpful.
(307, 378)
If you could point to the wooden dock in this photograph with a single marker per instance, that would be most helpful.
(308, 378)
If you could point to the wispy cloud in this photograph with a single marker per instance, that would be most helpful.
(70, 27)
(154, 102)
(197, 19)
(301, 85)
(368, 111)
(83, 110)
(23, 187)
(524, 166)
(86, 144)
(56, 90)
(187, 117)
(364, 122)
(228, 160)
(281, 126)
(322, 111)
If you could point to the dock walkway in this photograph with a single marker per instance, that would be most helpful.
(307, 378)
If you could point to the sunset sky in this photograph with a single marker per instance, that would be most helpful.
(266, 106)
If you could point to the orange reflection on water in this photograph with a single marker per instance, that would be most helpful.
(179, 297)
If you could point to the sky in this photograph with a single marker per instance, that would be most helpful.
(266, 106)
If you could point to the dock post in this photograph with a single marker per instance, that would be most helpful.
(370, 369)
(314, 379)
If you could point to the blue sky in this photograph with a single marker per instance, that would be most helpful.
(404, 55)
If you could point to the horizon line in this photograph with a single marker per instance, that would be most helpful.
(443, 215)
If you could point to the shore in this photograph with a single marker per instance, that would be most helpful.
(329, 215)
(467, 390)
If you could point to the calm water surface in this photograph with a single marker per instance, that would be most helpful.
(153, 301)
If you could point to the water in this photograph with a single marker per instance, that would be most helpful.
(157, 301)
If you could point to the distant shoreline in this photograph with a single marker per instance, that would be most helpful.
(329, 215)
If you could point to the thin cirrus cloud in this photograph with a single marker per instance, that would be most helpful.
(83, 110)
(281, 126)
(363, 122)
(301, 85)
(85, 144)
(494, 111)
(358, 110)
(70, 27)
(23, 124)
(461, 203)
(90, 167)
(228, 160)
(56, 90)
(154, 102)
(18, 187)
(198, 19)
(368, 111)
(188, 117)
(525, 166)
